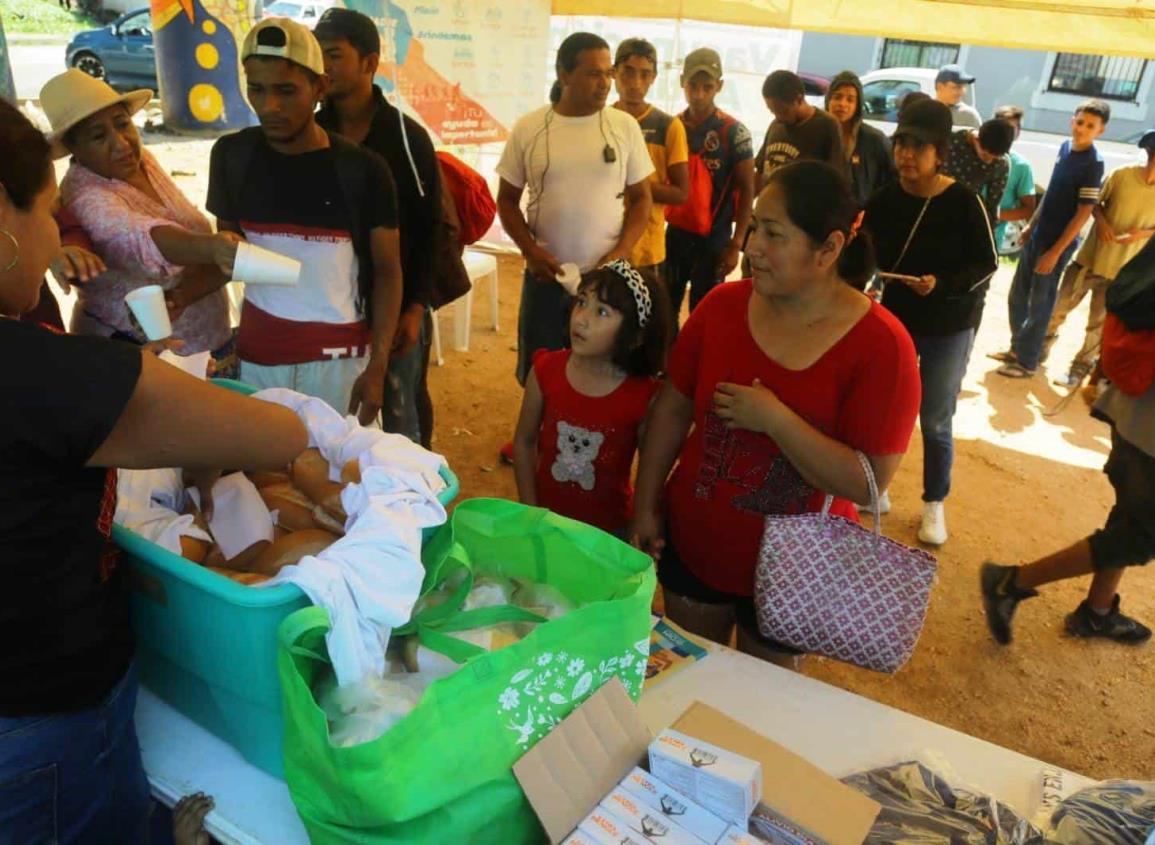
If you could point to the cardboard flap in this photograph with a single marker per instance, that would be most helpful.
(791, 786)
(566, 774)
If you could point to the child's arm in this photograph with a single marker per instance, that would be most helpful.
(525, 442)
(670, 418)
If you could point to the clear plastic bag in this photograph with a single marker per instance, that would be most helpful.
(1114, 812)
(919, 807)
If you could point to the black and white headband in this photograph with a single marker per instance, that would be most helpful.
(637, 288)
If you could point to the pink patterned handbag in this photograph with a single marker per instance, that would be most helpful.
(829, 586)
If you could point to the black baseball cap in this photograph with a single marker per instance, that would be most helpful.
(926, 121)
(953, 73)
(356, 28)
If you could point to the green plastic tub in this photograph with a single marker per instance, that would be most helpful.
(207, 645)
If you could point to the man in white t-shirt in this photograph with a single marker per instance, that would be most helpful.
(580, 163)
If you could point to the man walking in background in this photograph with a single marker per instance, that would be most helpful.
(799, 130)
(950, 86)
(702, 259)
(1019, 197)
(979, 160)
(635, 69)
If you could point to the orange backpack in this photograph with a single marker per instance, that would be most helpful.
(697, 214)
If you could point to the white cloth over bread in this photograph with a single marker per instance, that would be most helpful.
(149, 502)
(370, 579)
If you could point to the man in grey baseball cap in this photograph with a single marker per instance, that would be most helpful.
(950, 86)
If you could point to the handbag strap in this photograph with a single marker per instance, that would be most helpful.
(875, 507)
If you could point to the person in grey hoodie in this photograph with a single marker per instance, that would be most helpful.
(869, 157)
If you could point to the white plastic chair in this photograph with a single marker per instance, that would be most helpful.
(479, 265)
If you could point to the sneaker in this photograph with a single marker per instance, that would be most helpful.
(1000, 598)
(1079, 371)
(883, 504)
(933, 528)
(1113, 625)
(506, 453)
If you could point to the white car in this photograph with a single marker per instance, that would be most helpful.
(304, 12)
(883, 90)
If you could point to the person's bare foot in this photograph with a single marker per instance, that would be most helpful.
(188, 818)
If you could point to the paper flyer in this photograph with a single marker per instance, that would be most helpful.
(671, 650)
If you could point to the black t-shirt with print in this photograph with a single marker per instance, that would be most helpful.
(65, 639)
(301, 189)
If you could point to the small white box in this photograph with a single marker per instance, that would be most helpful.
(725, 783)
(606, 828)
(647, 821)
(735, 835)
(580, 837)
(674, 805)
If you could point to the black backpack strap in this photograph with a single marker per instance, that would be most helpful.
(240, 148)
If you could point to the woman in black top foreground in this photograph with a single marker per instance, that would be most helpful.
(936, 256)
(75, 408)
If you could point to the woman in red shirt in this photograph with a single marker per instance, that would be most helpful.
(783, 377)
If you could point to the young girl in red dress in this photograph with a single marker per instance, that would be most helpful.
(584, 407)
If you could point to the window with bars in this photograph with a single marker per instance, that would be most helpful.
(898, 52)
(1108, 77)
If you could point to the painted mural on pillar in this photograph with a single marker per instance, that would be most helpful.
(7, 86)
(198, 68)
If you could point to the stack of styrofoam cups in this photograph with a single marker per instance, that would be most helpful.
(256, 265)
(147, 305)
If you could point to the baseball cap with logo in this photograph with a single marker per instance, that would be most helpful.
(702, 60)
(282, 38)
(953, 73)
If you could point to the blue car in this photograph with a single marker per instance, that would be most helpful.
(121, 53)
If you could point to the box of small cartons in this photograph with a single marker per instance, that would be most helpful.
(727, 784)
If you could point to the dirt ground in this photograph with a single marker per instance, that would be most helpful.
(1024, 485)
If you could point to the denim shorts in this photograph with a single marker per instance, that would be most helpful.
(75, 777)
(1128, 538)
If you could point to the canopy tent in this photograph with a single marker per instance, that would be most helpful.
(1119, 27)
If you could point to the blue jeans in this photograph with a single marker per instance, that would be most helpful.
(542, 321)
(403, 384)
(1031, 301)
(942, 363)
(74, 777)
(691, 259)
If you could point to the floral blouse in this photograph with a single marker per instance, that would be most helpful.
(119, 219)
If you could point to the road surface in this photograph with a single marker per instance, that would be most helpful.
(33, 65)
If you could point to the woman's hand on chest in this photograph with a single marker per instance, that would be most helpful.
(754, 408)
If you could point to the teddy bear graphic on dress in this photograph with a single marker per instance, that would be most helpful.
(577, 449)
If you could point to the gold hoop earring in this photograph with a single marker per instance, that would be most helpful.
(15, 245)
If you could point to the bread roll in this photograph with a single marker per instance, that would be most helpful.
(323, 519)
(262, 478)
(294, 508)
(246, 578)
(351, 472)
(215, 558)
(193, 549)
(243, 562)
(289, 550)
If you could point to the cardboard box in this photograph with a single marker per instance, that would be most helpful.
(646, 820)
(581, 837)
(674, 805)
(724, 782)
(823, 809)
(608, 829)
(567, 774)
(735, 835)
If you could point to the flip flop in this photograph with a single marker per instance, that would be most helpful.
(1005, 357)
(1015, 370)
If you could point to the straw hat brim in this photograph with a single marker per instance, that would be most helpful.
(135, 100)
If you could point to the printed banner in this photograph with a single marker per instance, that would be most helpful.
(466, 69)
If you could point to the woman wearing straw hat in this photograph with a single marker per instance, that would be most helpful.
(143, 227)
(74, 408)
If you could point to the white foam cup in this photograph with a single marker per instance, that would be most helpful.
(147, 305)
(256, 265)
(570, 277)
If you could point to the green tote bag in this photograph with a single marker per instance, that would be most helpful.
(443, 774)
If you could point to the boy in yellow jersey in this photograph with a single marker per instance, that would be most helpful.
(635, 69)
